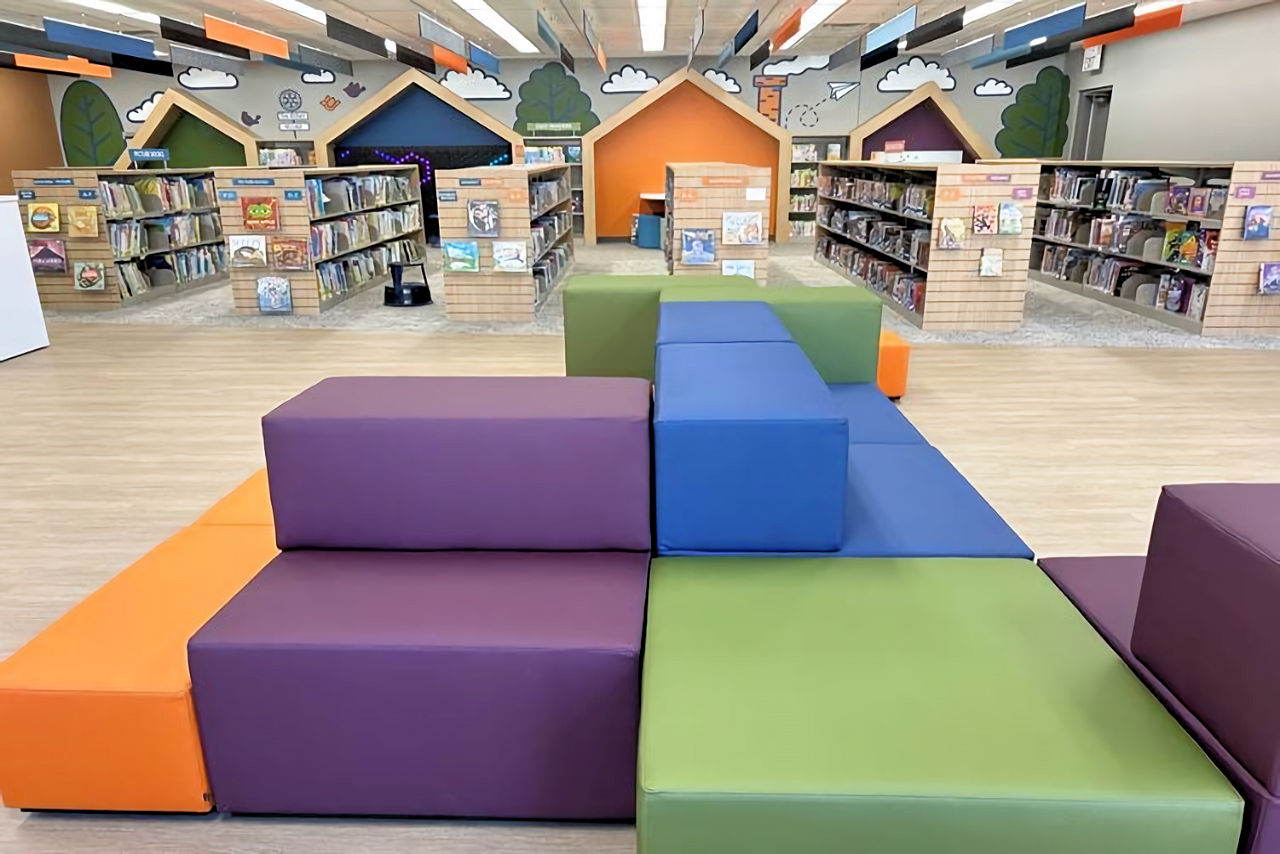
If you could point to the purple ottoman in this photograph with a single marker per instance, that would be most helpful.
(1106, 590)
(557, 463)
(476, 684)
(1208, 619)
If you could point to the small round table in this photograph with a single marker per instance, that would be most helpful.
(402, 294)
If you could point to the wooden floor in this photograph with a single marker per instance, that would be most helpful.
(117, 436)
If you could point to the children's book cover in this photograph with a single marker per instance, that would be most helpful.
(1010, 218)
(43, 217)
(510, 256)
(1198, 204)
(82, 220)
(1269, 278)
(1257, 222)
(697, 246)
(483, 218)
(47, 256)
(289, 253)
(247, 250)
(951, 235)
(992, 262)
(461, 256)
(1178, 199)
(738, 268)
(1172, 243)
(260, 213)
(985, 219)
(275, 295)
(90, 276)
(742, 228)
(1188, 247)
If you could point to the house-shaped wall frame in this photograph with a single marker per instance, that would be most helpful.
(978, 147)
(170, 108)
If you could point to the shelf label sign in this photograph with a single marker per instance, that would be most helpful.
(253, 182)
(297, 116)
(470, 182)
(686, 194)
(446, 195)
(949, 194)
(148, 155)
(88, 195)
(293, 195)
(990, 178)
(1271, 176)
(1022, 192)
(723, 181)
(227, 195)
(1246, 191)
(554, 127)
(894, 145)
(517, 195)
(53, 182)
(295, 126)
(26, 195)
(756, 194)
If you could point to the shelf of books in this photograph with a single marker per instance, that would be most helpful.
(507, 237)
(1188, 244)
(942, 245)
(300, 241)
(717, 219)
(100, 239)
(541, 150)
(806, 153)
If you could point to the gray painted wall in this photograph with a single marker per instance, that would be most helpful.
(1204, 91)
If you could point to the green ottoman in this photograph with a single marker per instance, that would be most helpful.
(611, 322)
(903, 706)
(838, 328)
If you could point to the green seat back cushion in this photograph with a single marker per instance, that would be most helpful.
(903, 706)
(611, 322)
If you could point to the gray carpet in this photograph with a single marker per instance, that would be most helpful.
(1053, 318)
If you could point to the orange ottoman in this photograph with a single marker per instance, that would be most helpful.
(96, 712)
(247, 504)
(891, 370)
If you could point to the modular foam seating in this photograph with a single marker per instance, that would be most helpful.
(1196, 620)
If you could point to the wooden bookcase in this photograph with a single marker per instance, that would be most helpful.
(699, 195)
(147, 213)
(302, 208)
(570, 148)
(529, 198)
(1083, 231)
(955, 296)
(802, 202)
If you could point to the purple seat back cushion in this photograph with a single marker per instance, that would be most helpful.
(555, 463)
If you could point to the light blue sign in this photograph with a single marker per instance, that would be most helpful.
(253, 182)
(227, 195)
(293, 195)
(148, 155)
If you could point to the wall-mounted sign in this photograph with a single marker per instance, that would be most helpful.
(26, 194)
(53, 182)
(148, 155)
(227, 195)
(295, 116)
(293, 195)
(446, 195)
(470, 182)
(895, 145)
(88, 195)
(295, 126)
(253, 182)
(1023, 192)
(1092, 58)
(555, 127)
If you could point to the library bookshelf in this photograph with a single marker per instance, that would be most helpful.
(504, 271)
(546, 148)
(703, 199)
(881, 226)
(806, 153)
(1165, 240)
(328, 233)
(126, 235)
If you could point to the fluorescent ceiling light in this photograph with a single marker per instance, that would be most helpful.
(814, 15)
(485, 14)
(297, 7)
(116, 9)
(1036, 42)
(390, 46)
(977, 13)
(653, 24)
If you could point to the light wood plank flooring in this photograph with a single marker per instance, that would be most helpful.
(116, 437)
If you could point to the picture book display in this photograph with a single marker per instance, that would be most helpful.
(483, 218)
(90, 276)
(247, 250)
(1257, 222)
(1269, 279)
(47, 255)
(738, 268)
(804, 152)
(289, 253)
(992, 262)
(43, 217)
(698, 246)
(951, 234)
(260, 213)
(1010, 218)
(275, 295)
(742, 228)
(510, 256)
(461, 256)
(984, 219)
(82, 220)
(1179, 199)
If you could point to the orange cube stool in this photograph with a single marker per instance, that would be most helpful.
(247, 504)
(96, 711)
(891, 370)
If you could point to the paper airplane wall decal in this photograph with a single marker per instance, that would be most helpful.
(839, 90)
